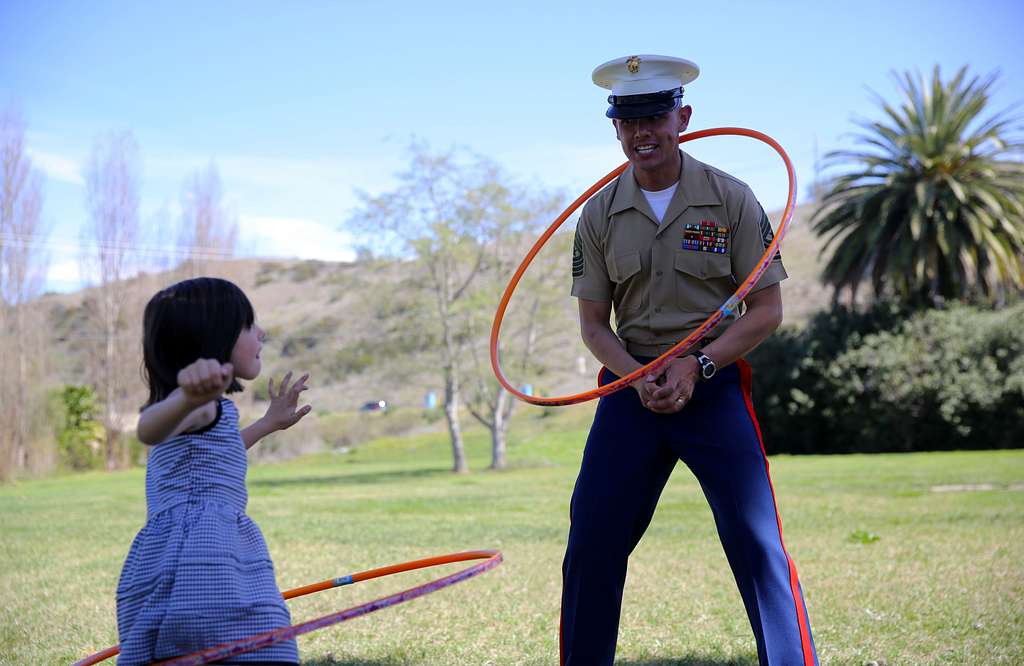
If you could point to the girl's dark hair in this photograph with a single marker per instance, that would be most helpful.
(193, 319)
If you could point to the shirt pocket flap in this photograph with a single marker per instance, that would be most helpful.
(625, 266)
(702, 265)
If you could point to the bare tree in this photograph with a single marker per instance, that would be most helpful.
(433, 217)
(464, 224)
(22, 268)
(208, 229)
(112, 197)
(517, 218)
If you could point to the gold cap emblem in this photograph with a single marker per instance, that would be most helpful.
(633, 64)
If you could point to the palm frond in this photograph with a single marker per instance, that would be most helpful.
(930, 204)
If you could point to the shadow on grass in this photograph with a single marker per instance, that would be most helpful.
(694, 660)
(353, 478)
(331, 661)
(685, 660)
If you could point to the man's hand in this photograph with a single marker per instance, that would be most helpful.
(281, 413)
(646, 386)
(204, 380)
(675, 388)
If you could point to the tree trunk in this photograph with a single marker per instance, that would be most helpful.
(21, 400)
(451, 413)
(7, 456)
(110, 409)
(449, 354)
(499, 430)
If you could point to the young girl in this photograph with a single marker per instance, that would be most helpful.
(199, 574)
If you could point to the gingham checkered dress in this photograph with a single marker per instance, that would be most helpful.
(198, 574)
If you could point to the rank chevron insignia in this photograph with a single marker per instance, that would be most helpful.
(578, 264)
(767, 235)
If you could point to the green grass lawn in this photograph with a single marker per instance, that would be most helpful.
(892, 569)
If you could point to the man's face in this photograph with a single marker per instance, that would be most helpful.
(651, 143)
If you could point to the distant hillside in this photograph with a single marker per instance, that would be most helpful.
(322, 317)
(803, 294)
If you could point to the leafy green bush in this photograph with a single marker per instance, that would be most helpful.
(79, 435)
(888, 380)
(791, 387)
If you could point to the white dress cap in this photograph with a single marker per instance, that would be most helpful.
(644, 74)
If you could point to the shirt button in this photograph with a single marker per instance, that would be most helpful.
(658, 273)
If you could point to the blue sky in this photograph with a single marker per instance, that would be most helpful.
(300, 104)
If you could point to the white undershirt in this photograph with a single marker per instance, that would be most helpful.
(660, 200)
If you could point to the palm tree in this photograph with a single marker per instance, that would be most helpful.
(933, 205)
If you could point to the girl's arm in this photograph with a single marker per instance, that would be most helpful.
(281, 413)
(189, 406)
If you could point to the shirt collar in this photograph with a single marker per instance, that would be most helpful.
(694, 190)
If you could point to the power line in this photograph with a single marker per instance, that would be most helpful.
(194, 251)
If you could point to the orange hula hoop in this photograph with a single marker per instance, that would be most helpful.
(657, 365)
(492, 558)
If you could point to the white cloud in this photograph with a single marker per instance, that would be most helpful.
(68, 270)
(292, 238)
(63, 276)
(57, 167)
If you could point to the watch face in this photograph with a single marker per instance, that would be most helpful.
(707, 367)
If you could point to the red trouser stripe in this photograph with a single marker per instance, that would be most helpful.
(794, 582)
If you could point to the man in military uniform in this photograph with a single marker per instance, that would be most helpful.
(665, 245)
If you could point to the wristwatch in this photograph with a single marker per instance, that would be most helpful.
(707, 366)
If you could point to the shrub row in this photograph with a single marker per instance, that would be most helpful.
(892, 380)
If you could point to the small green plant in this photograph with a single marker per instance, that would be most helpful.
(306, 270)
(863, 537)
(269, 271)
(260, 390)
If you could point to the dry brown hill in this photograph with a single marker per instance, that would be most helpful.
(326, 318)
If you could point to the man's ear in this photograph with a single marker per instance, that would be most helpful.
(684, 117)
(616, 126)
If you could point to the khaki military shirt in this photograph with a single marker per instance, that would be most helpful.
(664, 279)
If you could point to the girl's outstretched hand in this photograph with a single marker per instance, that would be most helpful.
(281, 413)
(204, 380)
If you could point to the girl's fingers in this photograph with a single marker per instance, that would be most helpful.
(202, 374)
(205, 376)
(299, 414)
(270, 387)
(284, 383)
(300, 385)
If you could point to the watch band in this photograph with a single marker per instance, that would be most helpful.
(707, 368)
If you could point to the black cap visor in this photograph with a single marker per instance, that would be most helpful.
(629, 107)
